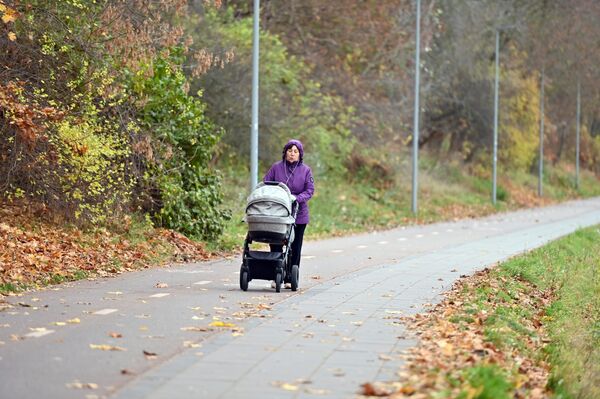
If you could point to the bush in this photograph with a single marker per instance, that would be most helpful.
(188, 192)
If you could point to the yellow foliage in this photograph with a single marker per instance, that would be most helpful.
(92, 167)
(518, 139)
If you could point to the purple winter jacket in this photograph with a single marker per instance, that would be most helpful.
(298, 177)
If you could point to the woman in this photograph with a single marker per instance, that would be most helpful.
(298, 177)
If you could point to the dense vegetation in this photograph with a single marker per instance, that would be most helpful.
(112, 107)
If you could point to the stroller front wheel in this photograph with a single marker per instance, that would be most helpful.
(278, 279)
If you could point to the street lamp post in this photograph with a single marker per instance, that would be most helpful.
(415, 171)
(496, 84)
(577, 134)
(541, 160)
(254, 126)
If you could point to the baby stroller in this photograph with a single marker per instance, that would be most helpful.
(270, 213)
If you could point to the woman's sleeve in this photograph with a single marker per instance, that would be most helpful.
(309, 188)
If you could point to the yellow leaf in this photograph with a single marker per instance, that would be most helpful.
(221, 324)
(74, 321)
(11, 36)
(10, 15)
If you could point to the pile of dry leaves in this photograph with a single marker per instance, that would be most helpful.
(447, 348)
(35, 252)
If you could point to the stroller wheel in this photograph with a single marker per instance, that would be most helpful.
(294, 277)
(244, 280)
(278, 279)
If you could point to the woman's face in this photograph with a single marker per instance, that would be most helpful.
(292, 154)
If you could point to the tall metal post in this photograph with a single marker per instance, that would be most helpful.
(254, 127)
(577, 134)
(541, 160)
(495, 155)
(415, 174)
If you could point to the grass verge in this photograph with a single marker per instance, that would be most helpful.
(529, 328)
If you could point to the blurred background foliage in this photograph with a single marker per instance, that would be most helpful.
(111, 107)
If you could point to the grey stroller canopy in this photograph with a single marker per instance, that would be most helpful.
(269, 209)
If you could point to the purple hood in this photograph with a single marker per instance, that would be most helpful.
(298, 145)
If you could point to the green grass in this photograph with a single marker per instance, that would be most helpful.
(486, 382)
(6, 288)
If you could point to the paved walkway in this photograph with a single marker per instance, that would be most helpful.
(344, 332)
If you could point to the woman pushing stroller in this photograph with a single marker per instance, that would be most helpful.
(297, 176)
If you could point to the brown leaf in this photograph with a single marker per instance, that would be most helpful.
(369, 389)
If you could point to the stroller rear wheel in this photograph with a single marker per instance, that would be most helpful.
(278, 279)
(244, 280)
(295, 274)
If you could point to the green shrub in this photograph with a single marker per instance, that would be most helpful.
(184, 140)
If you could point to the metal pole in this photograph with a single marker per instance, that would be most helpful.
(254, 127)
(541, 160)
(415, 174)
(577, 139)
(495, 156)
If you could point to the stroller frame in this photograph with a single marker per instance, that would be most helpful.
(272, 265)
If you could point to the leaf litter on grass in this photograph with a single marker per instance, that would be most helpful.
(454, 353)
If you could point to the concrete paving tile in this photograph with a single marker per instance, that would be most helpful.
(206, 390)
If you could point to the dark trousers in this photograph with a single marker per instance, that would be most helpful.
(296, 245)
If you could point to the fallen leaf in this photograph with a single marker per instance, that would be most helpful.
(11, 36)
(127, 372)
(194, 328)
(115, 335)
(150, 355)
(285, 386)
(161, 285)
(105, 347)
(81, 385)
(369, 389)
(384, 357)
(191, 344)
(221, 324)
(74, 321)
(315, 277)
